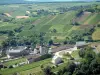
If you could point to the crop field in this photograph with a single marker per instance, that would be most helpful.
(8, 26)
(96, 19)
(96, 34)
(16, 61)
(84, 17)
(25, 67)
(61, 22)
(14, 10)
(36, 71)
(93, 19)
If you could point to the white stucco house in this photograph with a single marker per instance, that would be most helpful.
(43, 50)
(35, 51)
(56, 60)
(50, 51)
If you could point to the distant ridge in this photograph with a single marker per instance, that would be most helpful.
(29, 1)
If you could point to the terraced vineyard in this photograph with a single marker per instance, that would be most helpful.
(60, 22)
(96, 34)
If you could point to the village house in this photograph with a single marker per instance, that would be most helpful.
(56, 60)
(18, 51)
(42, 50)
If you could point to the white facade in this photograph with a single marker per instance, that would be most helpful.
(35, 51)
(56, 60)
(41, 50)
(75, 48)
(80, 43)
(50, 51)
(8, 56)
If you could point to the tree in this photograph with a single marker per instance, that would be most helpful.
(51, 42)
(96, 7)
(48, 71)
(10, 33)
(98, 25)
(71, 67)
(79, 72)
(4, 44)
(10, 66)
(54, 30)
(82, 53)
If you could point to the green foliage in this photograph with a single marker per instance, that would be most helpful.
(51, 42)
(47, 71)
(69, 69)
(78, 35)
(82, 53)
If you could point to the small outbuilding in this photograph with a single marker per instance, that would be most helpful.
(81, 44)
(56, 60)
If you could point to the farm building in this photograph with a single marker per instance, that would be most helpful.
(28, 12)
(81, 44)
(33, 58)
(17, 51)
(56, 60)
(41, 50)
(35, 51)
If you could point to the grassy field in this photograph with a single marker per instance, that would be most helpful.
(8, 26)
(96, 34)
(16, 61)
(60, 22)
(25, 67)
(36, 71)
(93, 19)
(75, 54)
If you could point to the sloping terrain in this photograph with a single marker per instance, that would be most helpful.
(93, 19)
(96, 34)
(83, 17)
(60, 22)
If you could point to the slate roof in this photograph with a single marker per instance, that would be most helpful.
(81, 43)
(64, 47)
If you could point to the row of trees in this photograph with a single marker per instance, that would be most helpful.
(14, 40)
